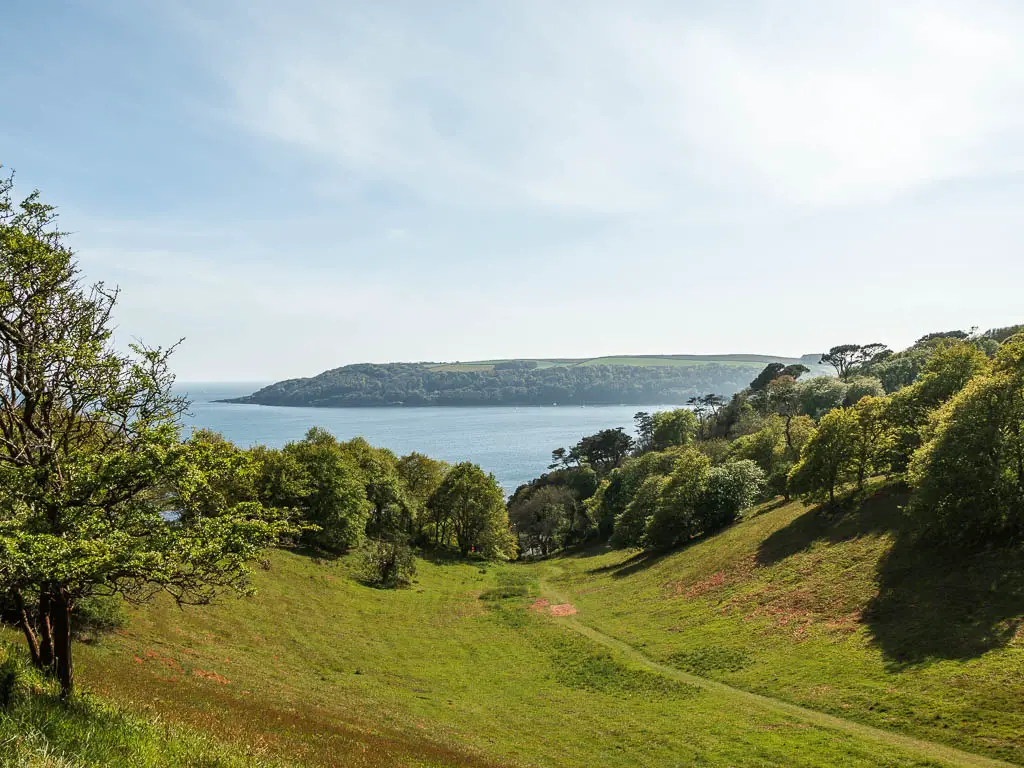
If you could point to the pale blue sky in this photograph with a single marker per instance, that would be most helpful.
(294, 186)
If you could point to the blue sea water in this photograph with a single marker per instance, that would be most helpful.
(513, 443)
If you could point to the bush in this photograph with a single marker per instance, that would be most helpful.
(388, 564)
(97, 616)
(730, 489)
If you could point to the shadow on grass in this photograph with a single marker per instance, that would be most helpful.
(931, 603)
(636, 563)
(848, 518)
(315, 554)
(944, 605)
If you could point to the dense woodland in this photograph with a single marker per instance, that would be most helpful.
(945, 416)
(413, 384)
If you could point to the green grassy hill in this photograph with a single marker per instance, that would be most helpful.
(790, 639)
(844, 615)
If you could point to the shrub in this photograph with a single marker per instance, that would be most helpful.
(730, 489)
(388, 564)
(98, 615)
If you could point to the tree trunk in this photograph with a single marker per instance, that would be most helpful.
(62, 643)
(45, 629)
(26, 627)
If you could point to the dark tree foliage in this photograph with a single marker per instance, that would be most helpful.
(516, 365)
(388, 564)
(548, 512)
(771, 372)
(412, 384)
(605, 449)
(846, 357)
(1002, 334)
(795, 371)
(938, 335)
(643, 423)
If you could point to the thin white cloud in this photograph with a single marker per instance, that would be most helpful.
(622, 108)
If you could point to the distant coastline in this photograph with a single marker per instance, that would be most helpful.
(606, 381)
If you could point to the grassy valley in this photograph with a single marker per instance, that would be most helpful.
(652, 599)
(601, 657)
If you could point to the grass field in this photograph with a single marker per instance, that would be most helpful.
(844, 615)
(38, 730)
(790, 639)
(644, 361)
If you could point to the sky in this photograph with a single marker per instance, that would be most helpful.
(295, 186)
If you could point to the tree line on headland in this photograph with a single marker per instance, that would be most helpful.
(101, 498)
(511, 383)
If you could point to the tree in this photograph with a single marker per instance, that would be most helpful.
(420, 476)
(730, 488)
(388, 564)
(842, 357)
(782, 397)
(621, 485)
(475, 506)
(862, 386)
(331, 496)
(390, 516)
(706, 408)
(826, 462)
(542, 518)
(605, 449)
(675, 519)
(1002, 334)
(771, 372)
(631, 523)
(98, 495)
(644, 425)
(795, 370)
(561, 459)
(671, 428)
(968, 479)
(950, 366)
(872, 438)
(820, 395)
(769, 449)
(845, 357)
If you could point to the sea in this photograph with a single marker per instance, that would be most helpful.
(513, 443)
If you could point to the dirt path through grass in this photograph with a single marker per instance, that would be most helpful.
(931, 750)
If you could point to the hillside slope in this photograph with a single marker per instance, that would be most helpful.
(845, 615)
(37, 729)
(469, 667)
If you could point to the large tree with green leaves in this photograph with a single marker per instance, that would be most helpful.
(672, 428)
(846, 357)
(471, 505)
(826, 462)
(968, 478)
(97, 492)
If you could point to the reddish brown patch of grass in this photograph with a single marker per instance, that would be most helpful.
(211, 676)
